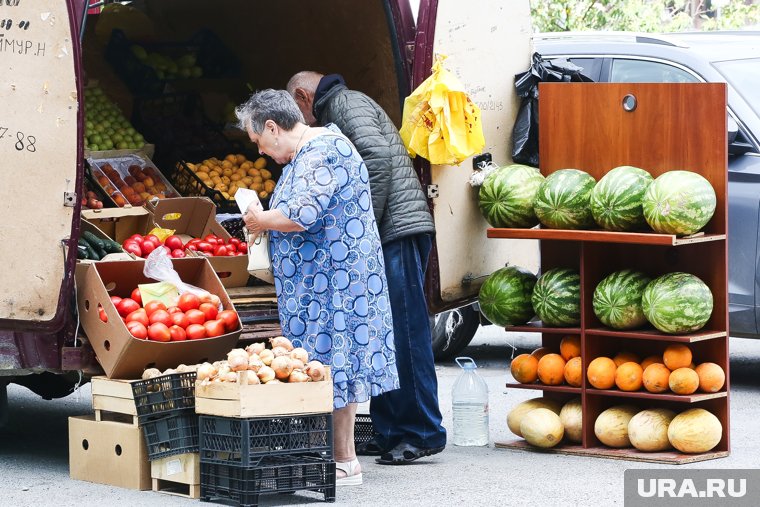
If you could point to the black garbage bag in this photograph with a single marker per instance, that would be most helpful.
(525, 131)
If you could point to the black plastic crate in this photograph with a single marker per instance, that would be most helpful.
(172, 434)
(245, 442)
(164, 395)
(278, 474)
(235, 227)
(363, 429)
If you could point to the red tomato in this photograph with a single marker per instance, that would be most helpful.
(132, 247)
(195, 332)
(220, 251)
(160, 316)
(230, 319)
(152, 237)
(193, 241)
(140, 316)
(231, 249)
(174, 309)
(115, 300)
(234, 241)
(136, 237)
(193, 247)
(188, 301)
(214, 328)
(127, 306)
(102, 314)
(148, 247)
(209, 310)
(137, 329)
(195, 316)
(180, 319)
(167, 250)
(211, 238)
(243, 248)
(159, 332)
(136, 296)
(205, 246)
(174, 242)
(177, 334)
(177, 253)
(154, 305)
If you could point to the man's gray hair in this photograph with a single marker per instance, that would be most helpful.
(269, 104)
(306, 79)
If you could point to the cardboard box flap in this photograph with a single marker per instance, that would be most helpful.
(186, 215)
(120, 223)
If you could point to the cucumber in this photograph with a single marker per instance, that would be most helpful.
(93, 240)
(82, 252)
(112, 246)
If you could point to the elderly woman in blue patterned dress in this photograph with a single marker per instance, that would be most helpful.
(327, 258)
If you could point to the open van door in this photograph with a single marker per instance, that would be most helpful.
(486, 43)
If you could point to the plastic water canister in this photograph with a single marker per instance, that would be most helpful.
(469, 401)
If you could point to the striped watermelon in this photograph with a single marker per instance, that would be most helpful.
(677, 303)
(507, 195)
(616, 199)
(505, 296)
(557, 297)
(563, 199)
(617, 299)
(679, 202)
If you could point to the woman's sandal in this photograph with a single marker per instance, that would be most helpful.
(349, 468)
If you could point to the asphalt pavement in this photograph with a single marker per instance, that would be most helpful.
(34, 450)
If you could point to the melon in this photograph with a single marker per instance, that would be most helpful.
(505, 297)
(507, 194)
(562, 200)
(695, 430)
(515, 416)
(542, 427)
(616, 200)
(557, 297)
(571, 417)
(648, 430)
(611, 427)
(617, 299)
(677, 303)
(679, 202)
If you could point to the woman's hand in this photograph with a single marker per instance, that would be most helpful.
(253, 219)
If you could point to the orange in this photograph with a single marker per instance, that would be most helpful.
(541, 352)
(711, 377)
(683, 381)
(625, 357)
(677, 356)
(551, 369)
(628, 376)
(570, 347)
(655, 378)
(524, 368)
(574, 372)
(650, 360)
(601, 373)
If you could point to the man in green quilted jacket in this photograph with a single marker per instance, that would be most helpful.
(407, 421)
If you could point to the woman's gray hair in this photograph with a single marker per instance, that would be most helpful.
(269, 104)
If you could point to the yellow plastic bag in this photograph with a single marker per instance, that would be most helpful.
(440, 122)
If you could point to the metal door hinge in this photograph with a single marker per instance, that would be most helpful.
(69, 199)
(432, 191)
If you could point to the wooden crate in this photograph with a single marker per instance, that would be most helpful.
(112, 399)
(674, 127)
(238, 399)
(178, 475)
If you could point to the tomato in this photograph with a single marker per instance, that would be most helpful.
(174, 242)
(132, 247)
(214, 328)
(193, 241)
(178, 253)
(140, 316)
(136, 237)
(148, 247)
(243, 248)
(205, 246)
(195, 316)
(137, 329)
(159, 332)
(102, 314)
(160, 316)
(209, 310)
(230, 319)
(231, 249)
(136, 296)
(193, 247)
(180, 319)
(234, 241)
(173, 309)
(154, 305)
(211, 238)
(152, 237)
(115, 300)
(220, 251)
(127, 306)
(177, 334)
(195, 331)
(189, 301)
(167, 250)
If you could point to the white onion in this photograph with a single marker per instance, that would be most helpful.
(206, 371)
(280, 351)
(237, 359)
(300, 354)
(253, 379)
(255, 348)
(298, 376)
(281, 341)
(151, 373)
(282, 367)
(231, 377)
(315, 370)
(266, 374)
(266, 356)
(254, 363)
(297, 364)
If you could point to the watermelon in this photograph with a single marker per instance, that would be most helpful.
(557, 297)
(562, 201)
(505, 296)
(617, 299)
(507, 195)
(616, 199)
(677, 303)
(679, 202)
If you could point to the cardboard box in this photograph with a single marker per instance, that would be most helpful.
(124, 356)
(195, 217)
(120, 223)
(239, 399)
(181, 468)
(107, 452)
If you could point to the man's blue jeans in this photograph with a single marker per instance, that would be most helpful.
(410, 414)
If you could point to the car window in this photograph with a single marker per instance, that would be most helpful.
(591, 67)
(642, 71)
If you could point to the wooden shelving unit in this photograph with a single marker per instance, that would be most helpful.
(673, 127)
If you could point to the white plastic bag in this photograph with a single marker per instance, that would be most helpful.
(158, 266)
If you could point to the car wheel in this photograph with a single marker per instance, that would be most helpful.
(453, 330)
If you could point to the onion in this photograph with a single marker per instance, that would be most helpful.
(282, 367)
(281, 341)
(151, 373)
(206, 371)
(266, 356)
(254, 363)
(238, 359)
(298, 376)
(280, 351)
(300, 354)
(230, 377)
(265, 374)
(297, 364)
(255, 348)
(224, 369)
(170, 371)
(315, 370)
(253, 379)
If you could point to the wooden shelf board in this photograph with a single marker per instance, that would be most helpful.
(642, 238)
(538, 327)
(653, 334)
(544, 387)
(670, 458)
(680, 398)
